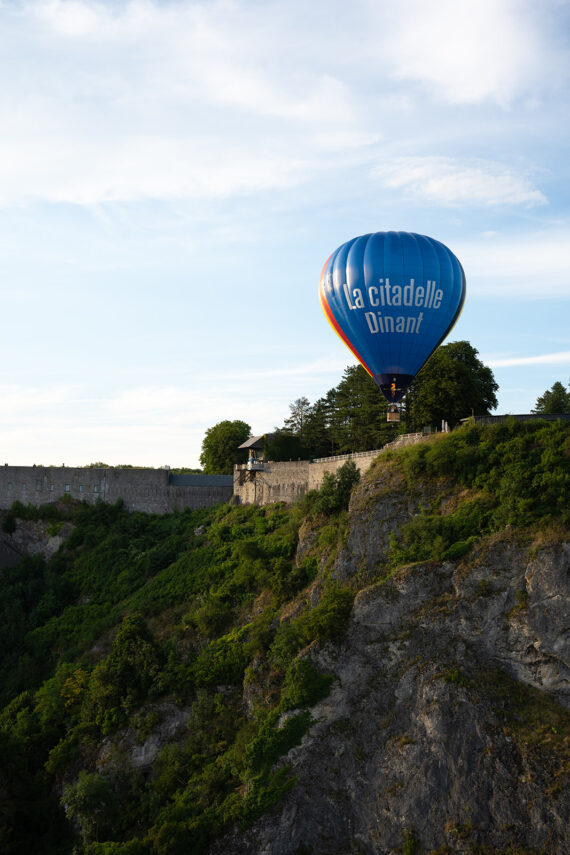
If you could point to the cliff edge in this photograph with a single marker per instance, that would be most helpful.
(446, 729)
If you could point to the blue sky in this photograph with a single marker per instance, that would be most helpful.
(173, 176)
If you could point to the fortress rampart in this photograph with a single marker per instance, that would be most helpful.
(156, 491)
(287, 482)
(159, 491)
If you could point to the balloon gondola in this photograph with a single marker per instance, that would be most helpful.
(393, 414)
(392, 297)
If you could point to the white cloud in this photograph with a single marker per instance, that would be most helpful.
(476, 50)
(143, 167)
(20, 400)
(532, 266)
(149, 424)
(144, 100)
(71, 18)
(450, 181)
(561, 358)
(182, 100)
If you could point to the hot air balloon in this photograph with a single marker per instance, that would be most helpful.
(392, 297)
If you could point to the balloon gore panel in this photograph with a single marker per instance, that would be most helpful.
(392, 297)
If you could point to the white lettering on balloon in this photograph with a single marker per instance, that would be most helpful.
(384, 294)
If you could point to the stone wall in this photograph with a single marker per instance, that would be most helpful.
(147, 490)
(289, 481)
(158, 491)
(278, 482)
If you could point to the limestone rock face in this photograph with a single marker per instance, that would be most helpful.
(127, 750)
(378, 509)
(35, 537)
(426, 735)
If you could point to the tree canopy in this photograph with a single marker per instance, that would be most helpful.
(220, 447)
(352, 416)
(554, 400)
(300, 411)
(452, 385)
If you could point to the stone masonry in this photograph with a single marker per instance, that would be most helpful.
(152, 490)
(289, 481)
(158, 491)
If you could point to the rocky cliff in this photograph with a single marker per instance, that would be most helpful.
(446, 729)
(31, 537)
(380, 677)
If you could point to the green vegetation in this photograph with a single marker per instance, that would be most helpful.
(220, 447)
(209, 610)
(452, 385)
(411, 843)
(138, 609)
(350, 417)
(334, 493)
(554, 401)
(515, 474)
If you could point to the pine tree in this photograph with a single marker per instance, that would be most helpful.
(555, 400)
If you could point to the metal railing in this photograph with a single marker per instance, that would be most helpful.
(400, 440)
(347, 456)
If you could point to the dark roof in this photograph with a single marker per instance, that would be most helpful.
(194, 480)
(257, 441)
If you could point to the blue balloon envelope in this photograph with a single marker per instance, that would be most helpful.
(392, 297)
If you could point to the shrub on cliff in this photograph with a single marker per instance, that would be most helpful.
(518, 474)
(334, 493)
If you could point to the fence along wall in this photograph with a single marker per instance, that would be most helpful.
(150, 490)
(289, 481)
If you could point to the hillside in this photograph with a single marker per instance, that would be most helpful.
(307, 679)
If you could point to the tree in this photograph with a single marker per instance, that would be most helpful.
(350, 417)
(358, 422)
(554, 401)
(334, 494)
(91, 803)
(220, 447)
(452, 385)
(317, 436)
(284, 446)
(28, 821)
(130, 674)
(299, 409)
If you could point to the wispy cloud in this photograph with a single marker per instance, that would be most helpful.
(450, 181)
(561, 358)
(18, 400)
(169, 168)
(143, 423)
(142, 167)
(144, 99)
(531, 266)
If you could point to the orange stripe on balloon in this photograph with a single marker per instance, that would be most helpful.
(333, 322)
